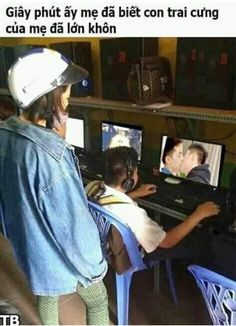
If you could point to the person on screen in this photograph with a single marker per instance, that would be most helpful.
(120, 176)
(108, 131)
(194, 164)
(120, 139)
(53, 235)
(172, 156)
(136, 140)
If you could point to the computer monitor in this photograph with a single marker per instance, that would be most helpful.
(117, 134)
(192, 159)
(75, 132)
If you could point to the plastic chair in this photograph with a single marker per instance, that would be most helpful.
(219, 294)
(104, 219)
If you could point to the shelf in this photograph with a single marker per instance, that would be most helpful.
(170, 111)
(176, 111)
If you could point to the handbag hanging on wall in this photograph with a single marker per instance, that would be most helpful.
(150, 81)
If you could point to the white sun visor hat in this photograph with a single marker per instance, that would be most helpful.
(40, 71)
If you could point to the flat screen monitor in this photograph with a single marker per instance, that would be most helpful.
(192, 159)
(75, 133)
(117, 134)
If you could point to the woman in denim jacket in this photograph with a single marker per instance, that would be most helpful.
(43, 208)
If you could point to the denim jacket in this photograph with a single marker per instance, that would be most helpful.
(44, 210)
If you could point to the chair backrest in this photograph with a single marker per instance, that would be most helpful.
(104, 219)
(219, 294)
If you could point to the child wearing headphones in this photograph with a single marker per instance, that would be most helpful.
(120, 175)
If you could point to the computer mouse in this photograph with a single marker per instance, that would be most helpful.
(173, 181)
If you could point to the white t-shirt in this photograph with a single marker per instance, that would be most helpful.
(147, 232)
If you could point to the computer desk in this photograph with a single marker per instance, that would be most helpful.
(220, 253)
(177, 201)
(161, 209)
(156, 208)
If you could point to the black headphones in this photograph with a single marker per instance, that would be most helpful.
(129, 182)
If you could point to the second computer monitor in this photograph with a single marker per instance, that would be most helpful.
(75, 134)
(117, 134)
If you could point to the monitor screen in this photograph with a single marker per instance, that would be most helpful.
(75, 132)
(191, 159)
(116, 134)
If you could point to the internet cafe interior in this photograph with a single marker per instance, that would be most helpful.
(140, 124)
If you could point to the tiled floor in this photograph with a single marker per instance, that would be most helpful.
(146, 306)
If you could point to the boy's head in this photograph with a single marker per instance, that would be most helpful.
(195, 155)
(173, 154)
(120, 167)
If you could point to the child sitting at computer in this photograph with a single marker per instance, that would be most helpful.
(120, 174)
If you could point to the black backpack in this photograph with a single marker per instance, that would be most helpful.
(150, 81)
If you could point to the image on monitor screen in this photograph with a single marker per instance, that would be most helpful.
(75, 132)
(191, 159)
(116, 134)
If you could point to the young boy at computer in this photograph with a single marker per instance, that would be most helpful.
(120, 175)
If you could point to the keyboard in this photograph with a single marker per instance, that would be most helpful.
(186, 196)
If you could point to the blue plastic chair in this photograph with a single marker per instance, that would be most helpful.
(219, 294)
(104, 219)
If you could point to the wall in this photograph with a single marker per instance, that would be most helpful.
(47, 41)
(167, 47)
(222, 133)
(155, 126)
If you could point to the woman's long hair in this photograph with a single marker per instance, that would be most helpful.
(47, 106)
